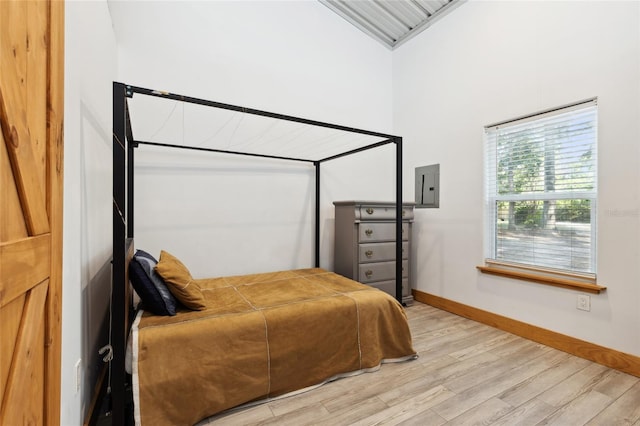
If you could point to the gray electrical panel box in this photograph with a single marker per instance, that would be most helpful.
(428, 186)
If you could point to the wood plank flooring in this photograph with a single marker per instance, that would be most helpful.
(467, 374)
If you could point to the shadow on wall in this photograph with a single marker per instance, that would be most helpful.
(427, 257)
(95, 327)
(95, 244)
(327, 249)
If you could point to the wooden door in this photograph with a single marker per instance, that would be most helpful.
(31, 109)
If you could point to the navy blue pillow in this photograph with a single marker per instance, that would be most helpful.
(151, 288)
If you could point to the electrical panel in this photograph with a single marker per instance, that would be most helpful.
(428, 186)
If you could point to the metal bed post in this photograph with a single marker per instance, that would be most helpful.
(398, 142)
(317, 224)
(119, 319)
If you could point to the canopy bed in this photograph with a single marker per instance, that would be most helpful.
(353, 327)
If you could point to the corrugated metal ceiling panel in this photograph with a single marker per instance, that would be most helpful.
(391, 21)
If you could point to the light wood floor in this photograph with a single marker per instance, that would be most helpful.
(467, 374)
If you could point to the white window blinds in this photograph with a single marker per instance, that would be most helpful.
(541, 189)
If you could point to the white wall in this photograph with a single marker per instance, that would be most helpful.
(227, 215)
(90, 68)
(489, 61)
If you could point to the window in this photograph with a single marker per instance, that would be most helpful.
(541, 190)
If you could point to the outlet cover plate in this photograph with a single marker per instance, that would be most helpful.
(78, 374)
(584, 302)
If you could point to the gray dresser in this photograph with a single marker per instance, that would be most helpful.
(365, 248)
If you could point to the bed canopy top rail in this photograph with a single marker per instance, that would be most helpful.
(136, 143)
(123, 208)
(131, 90)
(221, 151)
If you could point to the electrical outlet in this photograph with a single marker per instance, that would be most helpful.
(78, 375)
(584, 302)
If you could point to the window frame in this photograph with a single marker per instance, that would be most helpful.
(529, 271)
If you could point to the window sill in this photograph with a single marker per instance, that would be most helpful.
(543, 279)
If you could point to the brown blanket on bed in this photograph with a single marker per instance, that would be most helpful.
(261, 336)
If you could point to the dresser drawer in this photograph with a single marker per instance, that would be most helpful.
(370, 272)
(390, 287)
(373, 212)
(376, 252)
(380, 231)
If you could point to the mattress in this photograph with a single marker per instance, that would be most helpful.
(262, 336)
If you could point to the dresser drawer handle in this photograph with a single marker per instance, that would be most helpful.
(368, 232)
(368, 273)
(369, 253)
(370, 210)
(404, 212)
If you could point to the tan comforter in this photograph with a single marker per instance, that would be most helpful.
(262, 336)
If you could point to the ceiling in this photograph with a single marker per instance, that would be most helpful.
(392, 22)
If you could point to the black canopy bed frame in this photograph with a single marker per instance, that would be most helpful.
(124, 145)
